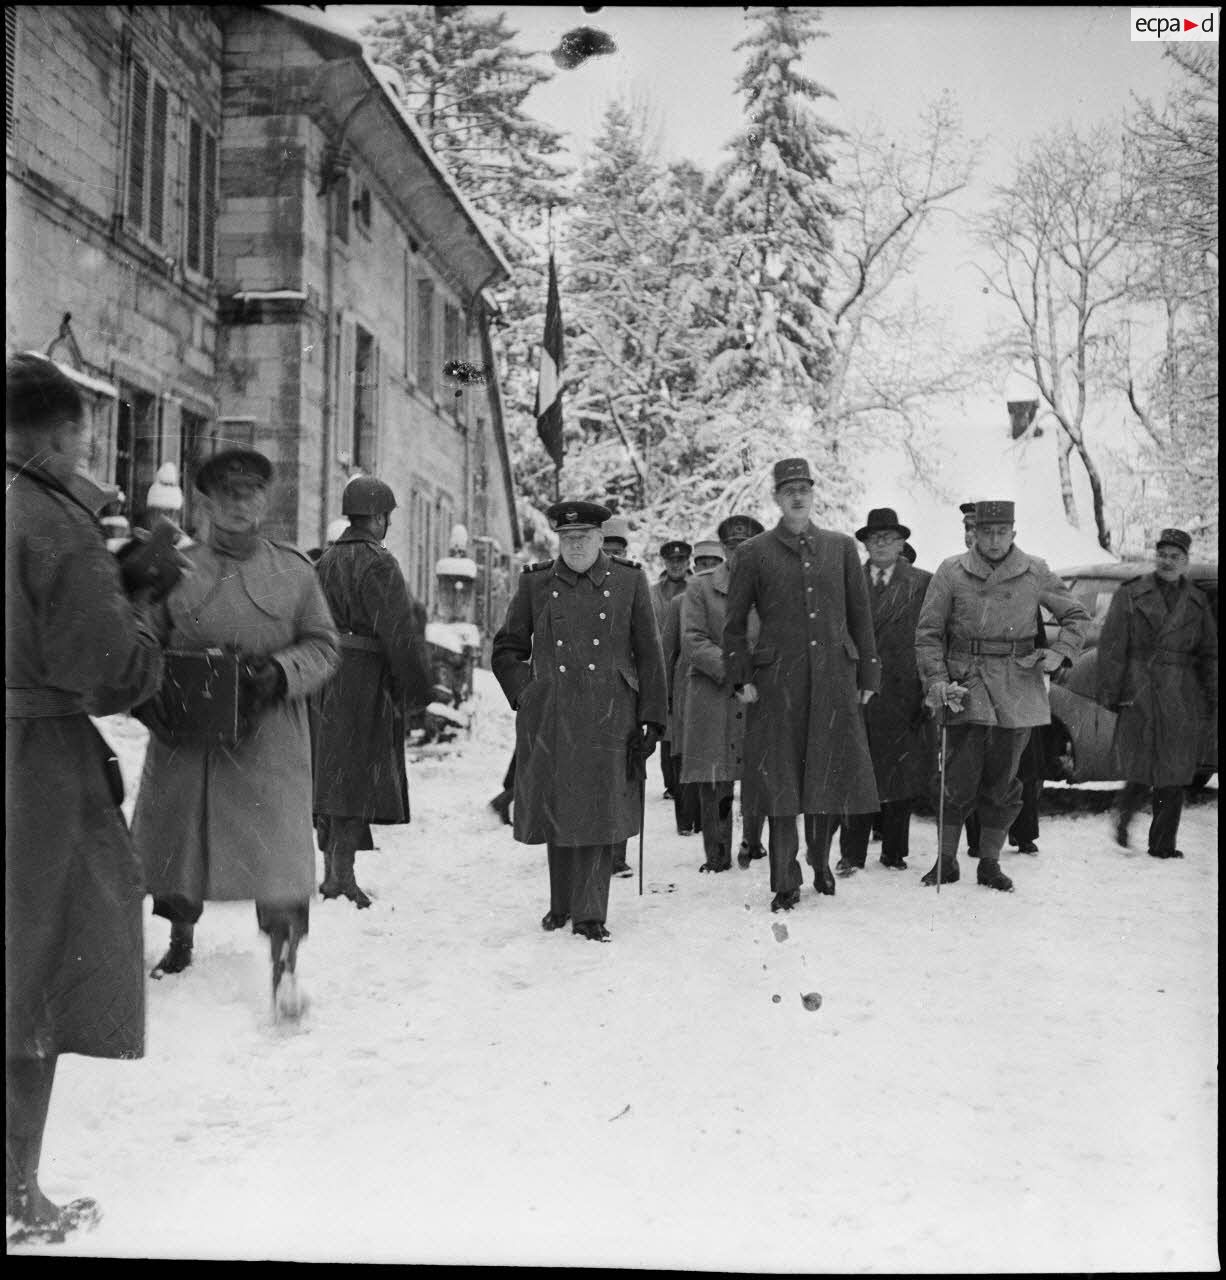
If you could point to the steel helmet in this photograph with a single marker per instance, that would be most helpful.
(366, 496)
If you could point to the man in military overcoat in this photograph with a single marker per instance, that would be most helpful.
(1157, 670)
(982, 670)
(895, 720)
(227, 821)
(359, 766)
(579, 660)
(815, 662)
(669, 586)
(714, 734)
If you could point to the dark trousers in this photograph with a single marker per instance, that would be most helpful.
(269, 916)
(342, 835)
(784, 844)
(619, 854)
(670, 768)
(981, 777)
(1025, 828)
(579, 881)
(686, 803)
(856, 828)
(751, 827)
(1167, 810)
(715, 808)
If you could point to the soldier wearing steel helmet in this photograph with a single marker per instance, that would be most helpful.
(360, 775)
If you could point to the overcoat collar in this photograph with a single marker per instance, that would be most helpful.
(1016, 563)
(792, 540)
(721, 576)
(598, 572)
(1150, 602)
(353, 534)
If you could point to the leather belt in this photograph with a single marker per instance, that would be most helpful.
(369, 644)
(992, 648)
(41, 704)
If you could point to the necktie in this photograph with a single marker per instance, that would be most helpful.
(879, 583)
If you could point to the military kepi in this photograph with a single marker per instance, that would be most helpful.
(233, 464)
(883, 520)
(677, 549)
(792, 469)
(993, 513)
(577, 515)
(738, 527)
(1174, 538)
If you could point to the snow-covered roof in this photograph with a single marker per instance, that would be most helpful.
(81, 379)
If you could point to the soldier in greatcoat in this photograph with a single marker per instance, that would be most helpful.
(714, 735)
(615, 541)
(216, 822)
(676, 668)
(360, 775)
(982, 670)
(75, 646)
(579, 660)
(675, 555)
(897, 738)
(1157, 670)
(814, 664)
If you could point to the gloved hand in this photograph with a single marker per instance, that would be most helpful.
(1053, 661)
(261, 683)
(945, 694)
(642, 743)
(150, 563)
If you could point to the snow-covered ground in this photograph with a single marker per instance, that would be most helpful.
(992, 1083)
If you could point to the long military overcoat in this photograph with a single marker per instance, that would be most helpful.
(806, 750)
(384, 667)
(73, 945)
(579, 659)
(676, 671)
(898, 739)
(214, 822)
(714, 733)
(970, 599)
(1158, 670)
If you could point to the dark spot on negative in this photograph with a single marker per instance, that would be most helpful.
(577, 46)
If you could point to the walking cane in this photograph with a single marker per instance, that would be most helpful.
(642, 821)
(941, 798)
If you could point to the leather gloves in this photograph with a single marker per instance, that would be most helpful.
(150, 563)
(261, 684)
(642, 743)
(945, 694)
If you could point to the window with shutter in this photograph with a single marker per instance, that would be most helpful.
(157, 163)
(201, 214)
(425, 336)
(137, 142)
(345, 387)
(10, 66)
(208, 216)
(195, 150)
(365, 399)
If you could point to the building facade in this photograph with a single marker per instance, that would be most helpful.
(252, 244)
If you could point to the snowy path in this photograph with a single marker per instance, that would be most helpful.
(993, 1083)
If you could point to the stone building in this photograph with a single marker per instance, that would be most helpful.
(254, 245)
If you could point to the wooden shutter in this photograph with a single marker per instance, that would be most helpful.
(138, 127)
(208, 214)
(195, 149)
(157, 163)
(425, 336)
(346, 387)
(10, 66)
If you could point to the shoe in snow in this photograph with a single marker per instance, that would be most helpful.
(845, 867)
(552, 920)
(55, 1227)
(785, 901)
(989, 874)
(178, 955)
(622, 869)
(1165, 853)
(593, 930)
(749, 853)
(501, 805)
(1028, 846)
(895, 864)
(949, 873)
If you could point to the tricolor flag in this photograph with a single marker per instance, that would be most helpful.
(549, 383)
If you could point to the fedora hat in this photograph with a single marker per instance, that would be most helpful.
(882, 520)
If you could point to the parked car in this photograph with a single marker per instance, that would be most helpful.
(1077, 743)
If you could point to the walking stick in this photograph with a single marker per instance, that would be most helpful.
(642, 821)
(941, 798)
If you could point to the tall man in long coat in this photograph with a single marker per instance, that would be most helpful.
(220, 822)
(1157, 670)
(360, 774)
(579, 660)
(75, 646)
(804, 681)
(669, 586)
(714, 733)
(897, 740)
(676, 669)
(976, 653)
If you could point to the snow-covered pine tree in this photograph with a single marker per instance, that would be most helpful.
(778, 209)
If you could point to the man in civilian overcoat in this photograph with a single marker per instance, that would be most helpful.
(359, 767)
(814, 664)
(579, 660)
(983, 672)
(897, 738)
(1157, 670)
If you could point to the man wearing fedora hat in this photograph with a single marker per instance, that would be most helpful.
(985, 674)
(803, 682)
(894, 719)
(1157, 670)
(221, 820)
(714, 733)
(579, 660)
